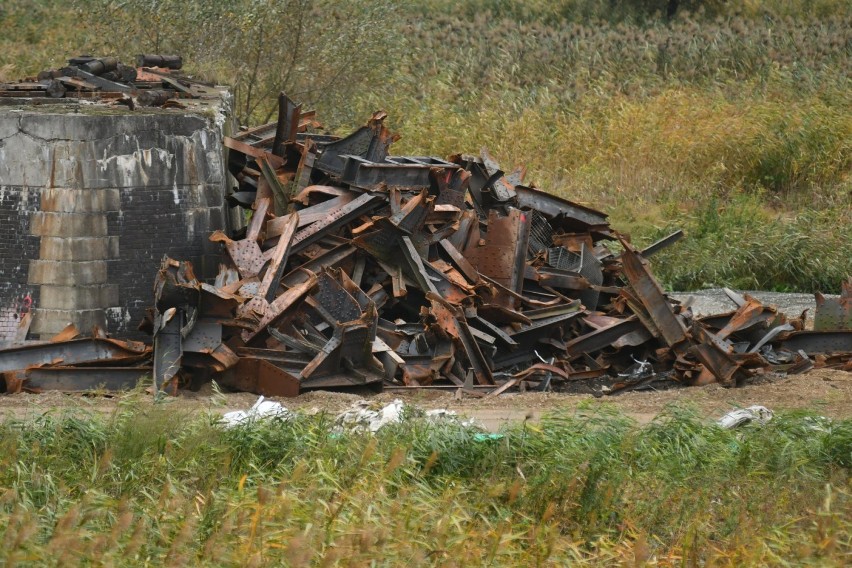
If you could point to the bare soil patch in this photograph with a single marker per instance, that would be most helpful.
(826, 392)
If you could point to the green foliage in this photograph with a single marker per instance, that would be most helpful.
(658, 124)
(561, 11)
(35, 33)
(739, 243)
(600, 57)
(154, 487)
(319, 52)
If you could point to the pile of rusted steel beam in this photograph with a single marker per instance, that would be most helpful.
(155, 80)
(359, 268)
(71, 362)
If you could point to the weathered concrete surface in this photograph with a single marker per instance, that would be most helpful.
(91, 199)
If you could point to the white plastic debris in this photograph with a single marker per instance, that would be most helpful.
(364, 415)
(261, 410)
(735, 418)
(371, 416)
(441, 414)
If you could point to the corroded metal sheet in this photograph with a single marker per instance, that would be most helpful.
(648, 290)
(834, 313)
(258, 376)
(502, 254)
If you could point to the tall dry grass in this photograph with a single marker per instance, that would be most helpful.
(154, 487)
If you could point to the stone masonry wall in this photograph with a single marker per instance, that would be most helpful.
(16, 243)
(90, 201)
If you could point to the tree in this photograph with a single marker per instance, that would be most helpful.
(318, 51)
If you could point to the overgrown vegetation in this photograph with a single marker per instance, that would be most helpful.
(729, 119)
(740, 242)
(154, 487)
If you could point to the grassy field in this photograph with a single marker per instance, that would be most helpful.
(158, 487)
(736, 128)
(161, 488)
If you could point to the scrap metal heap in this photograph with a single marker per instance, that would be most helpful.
(363, 268)
(154, 81)
(70, 362)
(360, 268)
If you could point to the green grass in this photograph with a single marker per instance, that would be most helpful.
(738, 242)
(155, 487)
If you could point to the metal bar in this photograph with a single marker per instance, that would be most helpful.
(717, 361)
(818, 342)
(271, 279)
(322, 210)
(280, 195)
(252, 152)
(168, 347)
(99, 82)
(257, 219)
(282, 305)
(648, 291)
(260, 377)
(665, 242)
(770, 335)
(459, 261)
(329, 259)
(288, 123)
(364, 203)
(492, 329)
(553, 206)
(80, 379)
(600, 338)
(157, 60)
(477, 361)
(373, 176)
(748, 315)
(734, 297)
(370, 142)
(71, 352)
(415, 264)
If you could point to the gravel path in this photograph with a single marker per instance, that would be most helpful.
(715, 301)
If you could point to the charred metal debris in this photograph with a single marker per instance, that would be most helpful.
(359, 268)
(154, 81)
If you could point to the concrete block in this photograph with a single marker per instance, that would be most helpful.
(78, 297)
(64, 273)
(78, 248)
(156, 176)
(80, 200)
(45, 224)
(80, 150)
(47, 323)
(87, 126)
(10, 124)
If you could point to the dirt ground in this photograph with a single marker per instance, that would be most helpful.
(824, 391)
